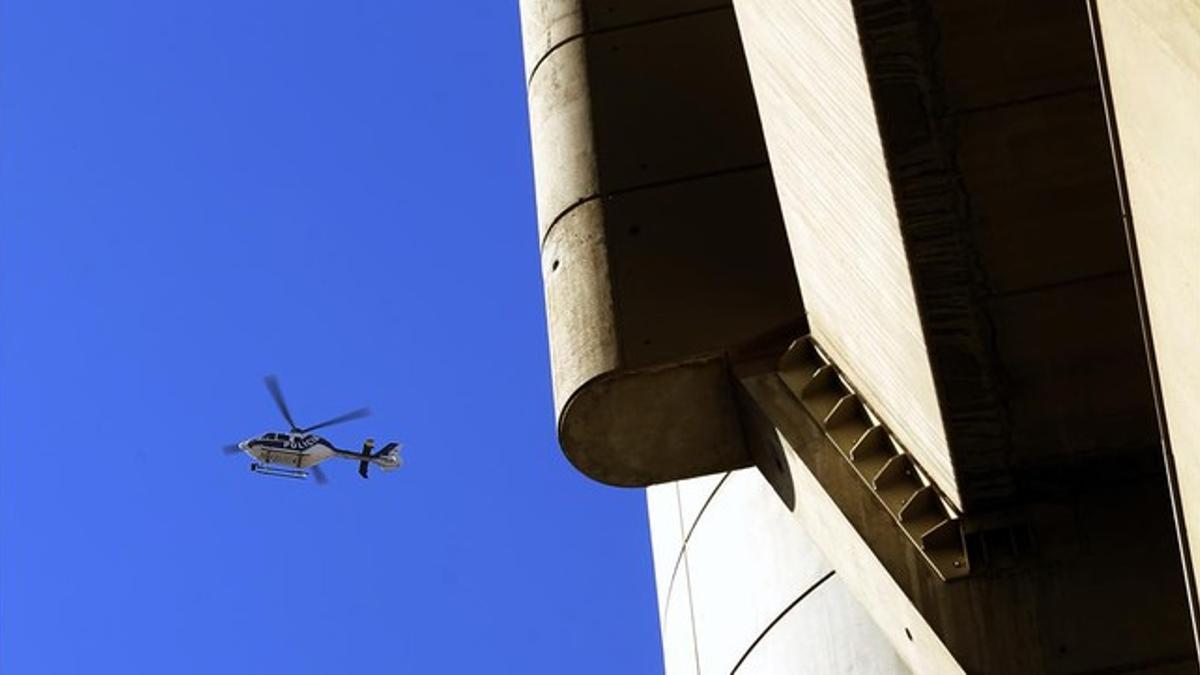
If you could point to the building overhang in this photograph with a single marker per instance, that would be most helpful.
(663, 246)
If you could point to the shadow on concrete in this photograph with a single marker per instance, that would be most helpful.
(765, 448)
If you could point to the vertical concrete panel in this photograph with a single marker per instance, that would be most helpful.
(830, 623)
(562, 135)
(675, 294)
(666, 540)
(678, 633)
(662, 242)
(826, 154)
(694, 493)
(747, 561)
(1153, 59)
(546, 24)
(579, 303)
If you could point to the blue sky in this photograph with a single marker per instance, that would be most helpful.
(193, 195)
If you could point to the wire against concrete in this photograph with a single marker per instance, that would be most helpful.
(687, 577)
(808, 591)
(688, 534)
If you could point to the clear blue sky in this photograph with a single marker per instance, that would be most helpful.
(196, 194)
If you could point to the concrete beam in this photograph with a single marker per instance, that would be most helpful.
(956, 228)
(1094, 587)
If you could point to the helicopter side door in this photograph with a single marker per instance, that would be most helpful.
(317, 450)
(278, 449)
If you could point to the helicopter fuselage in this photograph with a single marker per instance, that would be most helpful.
(297, 451)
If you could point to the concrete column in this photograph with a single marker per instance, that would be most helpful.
(662, 243)
(742, 588)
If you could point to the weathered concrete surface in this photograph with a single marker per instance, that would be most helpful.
(831, 622)
(547, 24)
(666, 537)
(954, 222)
(1153, 59)
(956, 228)
(678, 630)
(1099, 590)
(762, 598)
(662, 242)
(842, 224)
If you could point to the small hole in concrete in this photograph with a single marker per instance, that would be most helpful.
(635, 230)
(908, 633)
(554, 266)
(645, 342)
(643, 166)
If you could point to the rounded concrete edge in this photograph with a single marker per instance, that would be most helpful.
(641, 427)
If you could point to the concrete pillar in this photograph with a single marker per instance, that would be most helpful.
(743, 589)
(662, 242)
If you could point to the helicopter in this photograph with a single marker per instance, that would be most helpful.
(298, 453)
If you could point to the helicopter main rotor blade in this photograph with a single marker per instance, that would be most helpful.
(277, 394)
(231, 449)
(318, 474)
(353, 415)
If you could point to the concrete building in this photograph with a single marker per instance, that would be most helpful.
(891, 305)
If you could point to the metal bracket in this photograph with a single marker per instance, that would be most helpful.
(927, 519)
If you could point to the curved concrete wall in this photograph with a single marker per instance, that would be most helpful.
(743, 589)
(662, 242)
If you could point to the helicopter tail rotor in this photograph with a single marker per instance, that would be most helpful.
(389, 457)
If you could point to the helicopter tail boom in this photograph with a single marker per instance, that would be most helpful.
(389, 457)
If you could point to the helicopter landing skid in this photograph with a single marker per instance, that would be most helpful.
(278, 472)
